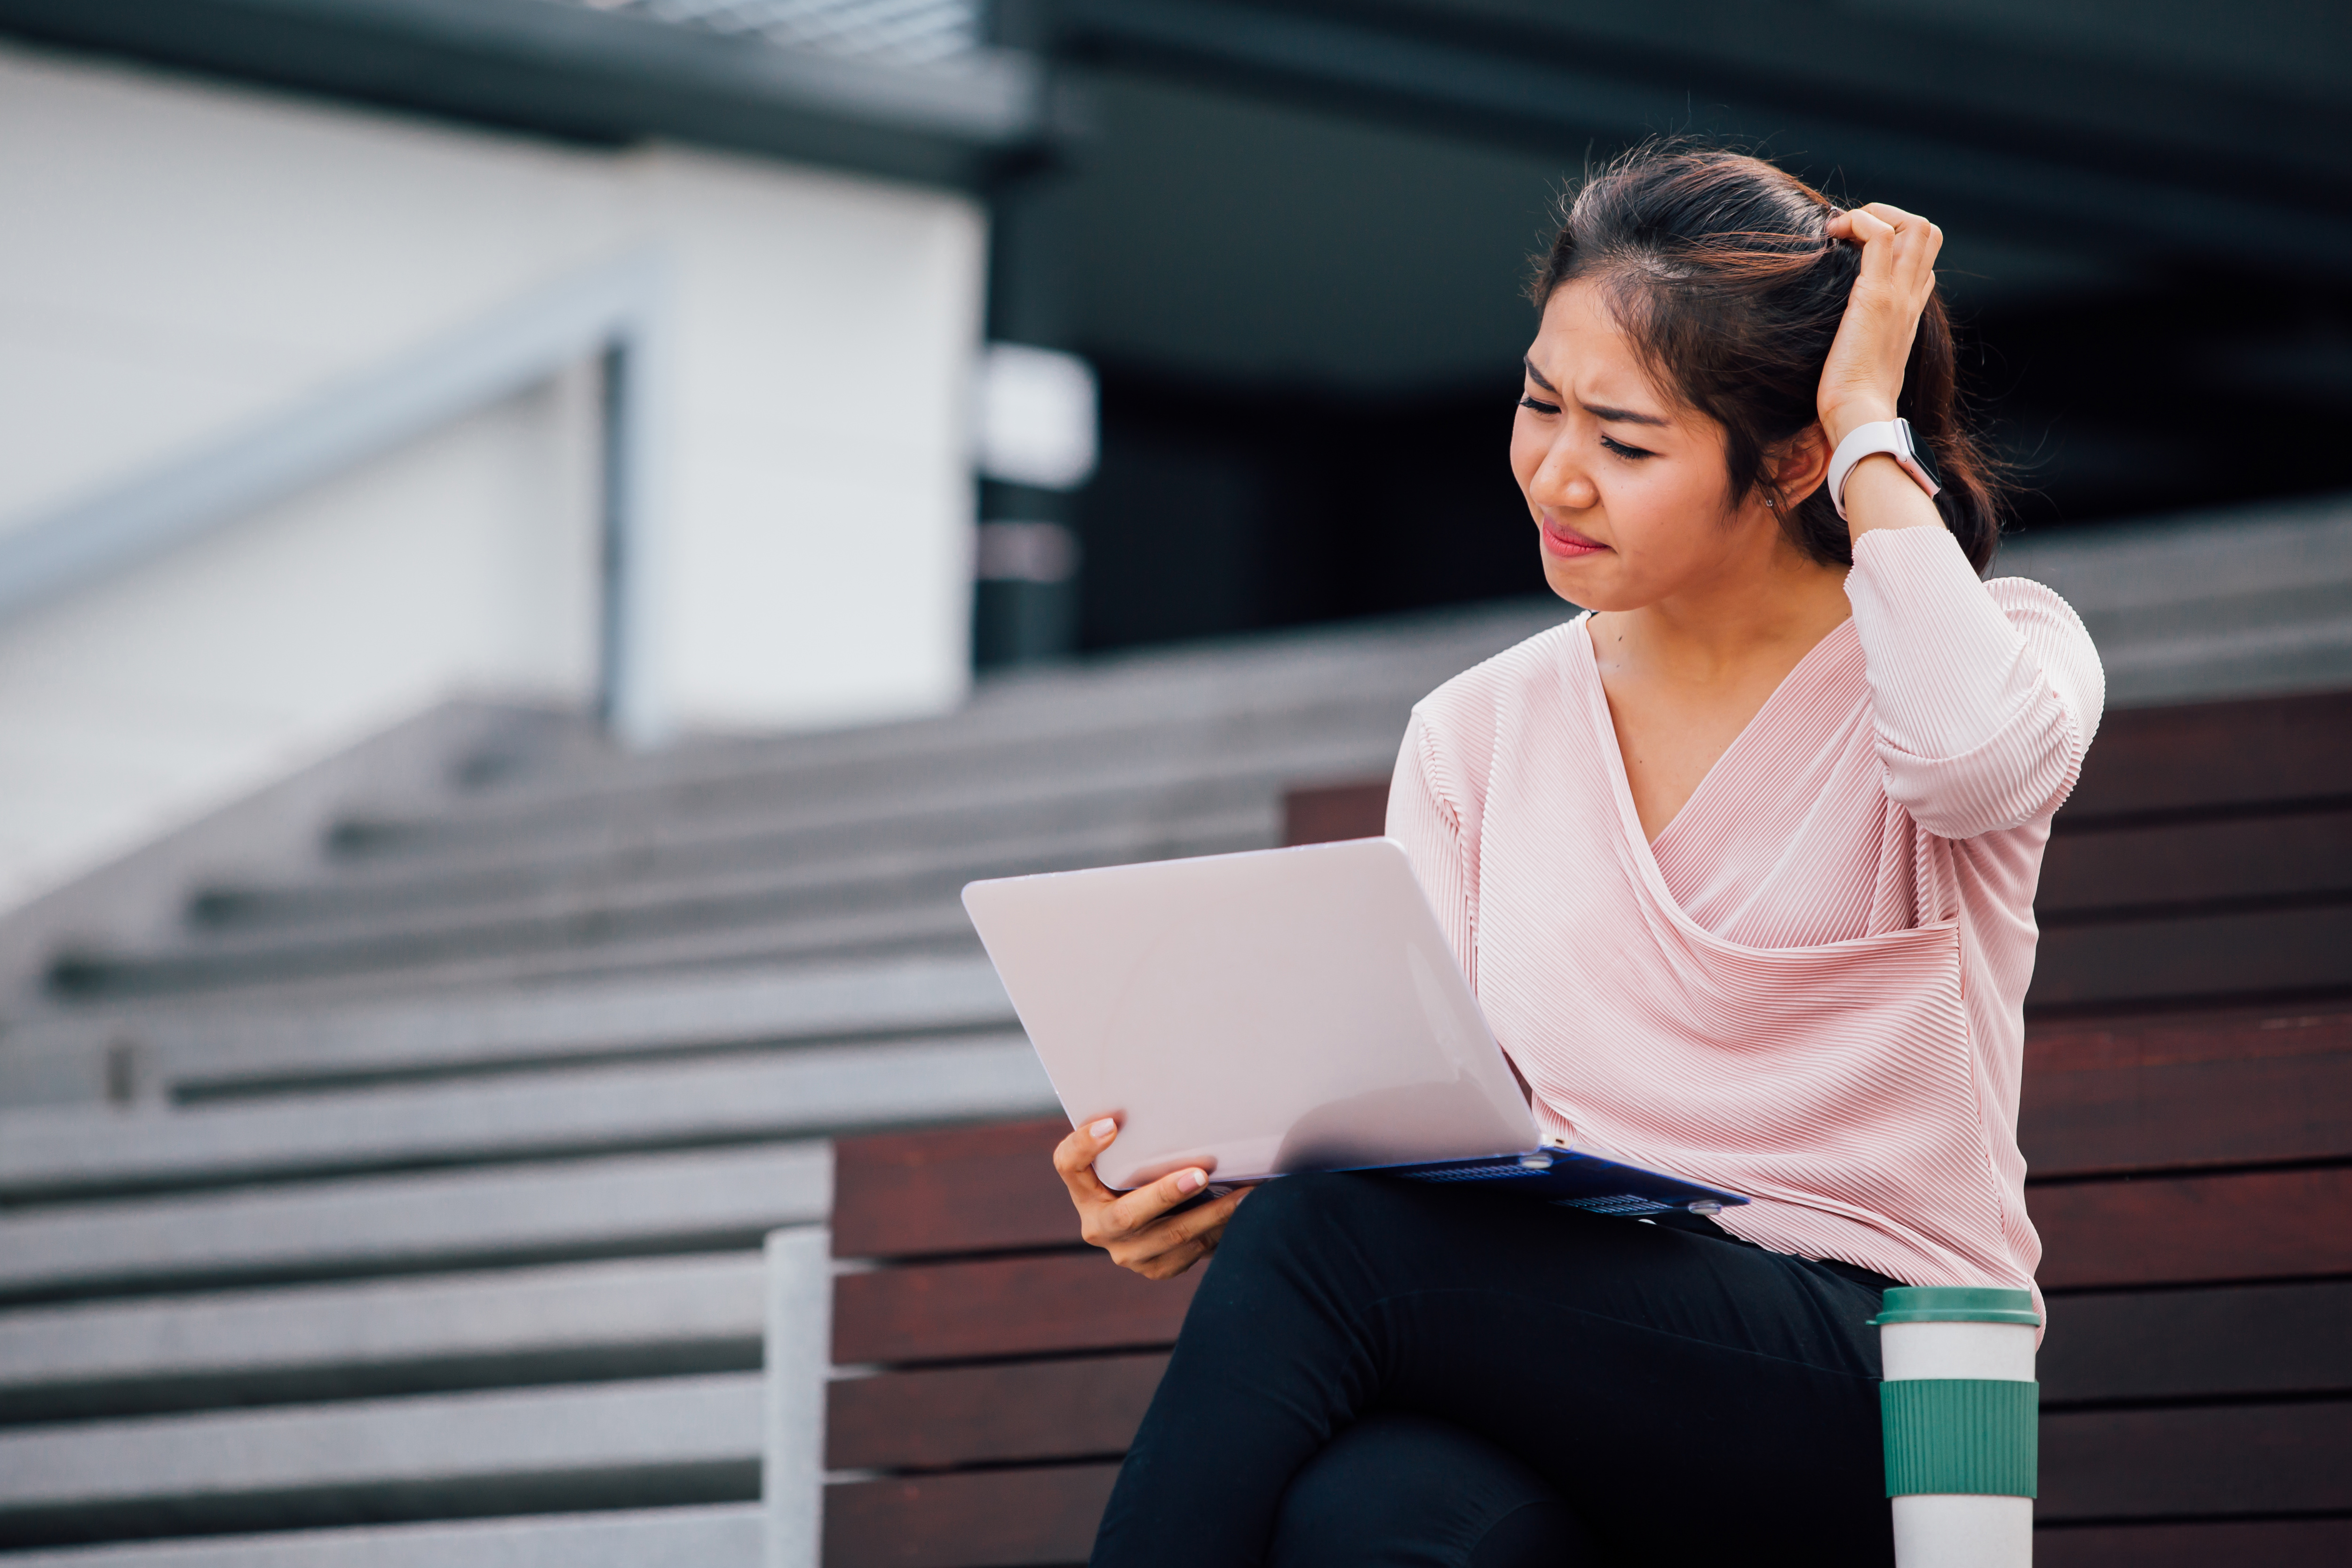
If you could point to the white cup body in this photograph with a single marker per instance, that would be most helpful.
(1942, 1531)
(1936, 1531)
(2002, 1351)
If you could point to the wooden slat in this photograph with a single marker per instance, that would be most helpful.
(2139, 962)
(1324, 814)
(2187, 863)
(2262, 1543)
(2254, 1110)
(2243, 1341)
(2206, 1462)
(1004, 1307)
(2231, 753)
(2194, 1229)
(2164, 1039)
(974, 1189)
(987, 1518)
(932, 1420)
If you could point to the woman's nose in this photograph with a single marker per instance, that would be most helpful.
(1561, 481)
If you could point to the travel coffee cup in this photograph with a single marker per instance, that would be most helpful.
(1960, 1407)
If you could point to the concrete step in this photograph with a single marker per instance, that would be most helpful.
(937, 931)
(941, 812)
(727, 1535)
(633, 1444)
(1168, 760)
(2211, 606)
(620, 911)
(702, 1200)
(180, 1053)
(1396, 661)
(838, 907)
(72, 1152)
(628, 1318)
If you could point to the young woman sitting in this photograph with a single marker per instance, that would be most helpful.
(1741, 863)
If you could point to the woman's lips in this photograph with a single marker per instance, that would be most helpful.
(1564, 542)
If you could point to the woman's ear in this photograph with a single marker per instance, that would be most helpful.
(1797, 469)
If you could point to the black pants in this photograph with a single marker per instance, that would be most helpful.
(1381, 1372)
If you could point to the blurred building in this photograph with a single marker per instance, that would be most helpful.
(317, 412)
(623, 351)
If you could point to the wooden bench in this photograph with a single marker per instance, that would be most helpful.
(2187, 1118)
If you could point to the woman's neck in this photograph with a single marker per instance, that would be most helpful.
(1712, 631)
(1685, 675)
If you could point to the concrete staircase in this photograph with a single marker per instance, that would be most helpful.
(406, 1204)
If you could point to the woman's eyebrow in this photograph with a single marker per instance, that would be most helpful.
(1537, 377)
(1620, 415)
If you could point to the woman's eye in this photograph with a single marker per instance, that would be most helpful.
(1623, 450)
(1538, 405)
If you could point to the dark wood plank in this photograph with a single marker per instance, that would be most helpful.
(969, 1189)
(2206, 1462)
(1324, 814)
(936, 1419)
(2164, 1039)
(2233, 753)
(2177, 1115)
(2185, 864)
(2201, 959)
(986, 1519)
(2243, 1341)
(2261, 1543)
(2274, 1225)
(1004, 1307)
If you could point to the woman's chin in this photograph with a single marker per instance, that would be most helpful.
(1582, 580)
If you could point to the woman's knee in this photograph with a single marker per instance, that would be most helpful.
(1395, 1489)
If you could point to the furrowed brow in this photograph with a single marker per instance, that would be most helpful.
(1537, 377)
(1622, 415)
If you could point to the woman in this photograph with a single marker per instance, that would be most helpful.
(1741, 865)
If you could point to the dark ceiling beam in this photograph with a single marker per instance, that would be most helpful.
(584, 74)
(2148, 211)
(2109, 111)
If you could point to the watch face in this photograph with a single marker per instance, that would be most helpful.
(1919, 453)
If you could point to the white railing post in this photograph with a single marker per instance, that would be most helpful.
(799, 1357)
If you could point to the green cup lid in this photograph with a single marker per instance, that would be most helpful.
(1956, 1304)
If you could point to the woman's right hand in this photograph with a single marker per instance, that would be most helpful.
(1135, 1227)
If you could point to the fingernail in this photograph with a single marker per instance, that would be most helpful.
(1103, 1128)
(1189, 1181)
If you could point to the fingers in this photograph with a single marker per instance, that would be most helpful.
(1167, 1248)
(1133, 1211)
(1073, 1158)
(1897, 247)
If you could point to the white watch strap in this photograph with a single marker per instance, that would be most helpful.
(1892, 437)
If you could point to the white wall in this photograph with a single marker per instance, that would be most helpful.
(184, 258)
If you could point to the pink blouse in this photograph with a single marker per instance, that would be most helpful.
(1810, 987)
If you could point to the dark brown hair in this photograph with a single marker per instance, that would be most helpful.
(1715, 264)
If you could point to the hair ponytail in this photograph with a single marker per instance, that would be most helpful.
(1971, 499)
(1720, 268)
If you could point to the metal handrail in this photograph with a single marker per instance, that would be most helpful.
(608, 311)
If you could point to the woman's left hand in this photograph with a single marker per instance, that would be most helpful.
(1864, 373)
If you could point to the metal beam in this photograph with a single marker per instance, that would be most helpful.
(584, 74)
(2139, 204)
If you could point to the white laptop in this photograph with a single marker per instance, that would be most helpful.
(1279, 1010)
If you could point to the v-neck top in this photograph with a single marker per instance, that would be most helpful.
(1810, 987)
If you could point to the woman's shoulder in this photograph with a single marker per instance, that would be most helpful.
(1464, 715)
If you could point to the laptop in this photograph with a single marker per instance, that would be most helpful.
(1278, 1010)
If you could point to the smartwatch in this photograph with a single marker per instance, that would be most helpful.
(1892, 437)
